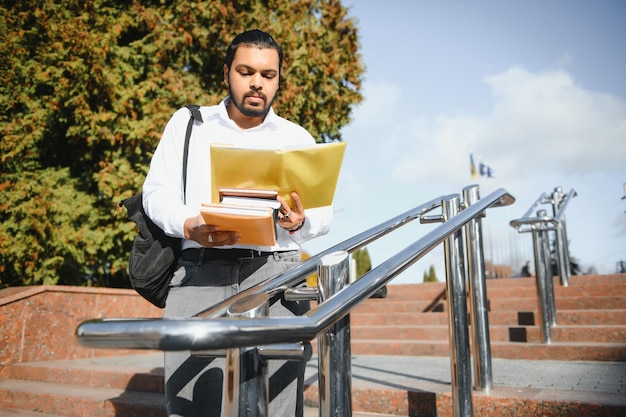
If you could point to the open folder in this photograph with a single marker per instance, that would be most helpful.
(312, 171)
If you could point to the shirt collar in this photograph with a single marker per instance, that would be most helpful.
(270, 122)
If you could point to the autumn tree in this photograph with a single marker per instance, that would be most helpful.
(363, 262)
(87, 87)
(431, 275)
(363, 266)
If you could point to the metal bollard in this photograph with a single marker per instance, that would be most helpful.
(478, 296)
(246, 382)
(334, 354)
(460, 360)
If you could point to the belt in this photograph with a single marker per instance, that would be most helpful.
(202, 255)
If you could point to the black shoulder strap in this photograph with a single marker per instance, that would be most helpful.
(195, 115)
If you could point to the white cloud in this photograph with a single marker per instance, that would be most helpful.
(377, 108)
(437, 150)
(542, 131)
(550, 121)
(538, 121)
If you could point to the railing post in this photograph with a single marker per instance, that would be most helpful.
(478, 296)
(334, 353)
(541, 276)
(561, 251)
(460, 360)
(245, 382)
(549, 277)
(561, 254)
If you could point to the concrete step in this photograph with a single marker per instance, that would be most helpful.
(381, 385)
(559, 291)
(573, 281)
(517, 288)
(128, 372)
(575, 302)
(12, 412)
(390, 305)
(377, 319)
(561, 333)
(562, 303)
(597, 316)
(563, 351)
(510, 318)
(402, 332)
(112, 386)
(564, 317)
(425, 291)
(588, 351)
(78, 401)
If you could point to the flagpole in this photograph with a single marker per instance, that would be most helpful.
(477, 174)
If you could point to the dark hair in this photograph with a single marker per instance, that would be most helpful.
(254, 37)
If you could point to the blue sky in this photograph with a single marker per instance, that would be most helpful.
(535, 89)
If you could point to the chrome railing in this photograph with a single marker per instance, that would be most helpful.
(211, 332)
(540, 225)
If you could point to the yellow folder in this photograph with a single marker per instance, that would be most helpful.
(311, 171)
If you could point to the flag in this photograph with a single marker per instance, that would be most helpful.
(473, 167)
(485, 169)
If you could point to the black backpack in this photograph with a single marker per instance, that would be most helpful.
(153, 254)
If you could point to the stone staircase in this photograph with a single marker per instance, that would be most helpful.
(45, 373)
(591, 320)
(85, 387)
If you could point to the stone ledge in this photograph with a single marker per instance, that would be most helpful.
(37, 323)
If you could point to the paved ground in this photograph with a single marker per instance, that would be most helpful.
(588, 379)
(581, 379)
(411, 372)
(404, 372)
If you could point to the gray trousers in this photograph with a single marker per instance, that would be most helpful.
(194, 385)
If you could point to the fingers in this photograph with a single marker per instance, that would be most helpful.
(285, 210)
(291, 217)
(221, 238)
(210, 236)
(284, 207)
(297, 204)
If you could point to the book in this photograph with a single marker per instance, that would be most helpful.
(312, 171)
(256, 225)
(249, 197)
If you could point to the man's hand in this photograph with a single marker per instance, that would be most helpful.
(291, 218)
(208, 235)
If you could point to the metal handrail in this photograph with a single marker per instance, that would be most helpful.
(540, 226)
(218, 333)
(99, 336)
(553, 220)
(299, 273)
(562, 204)
(288, 337)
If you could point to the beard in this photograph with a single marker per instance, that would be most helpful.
(251, 111)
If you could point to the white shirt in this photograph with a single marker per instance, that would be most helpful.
(162, 189)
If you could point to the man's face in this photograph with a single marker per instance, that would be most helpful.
(252, 81)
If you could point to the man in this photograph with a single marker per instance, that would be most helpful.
(213, 266)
